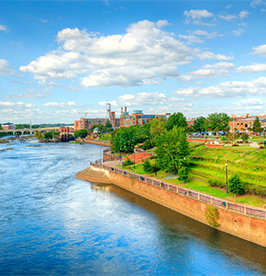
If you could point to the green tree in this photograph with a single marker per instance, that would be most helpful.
(108, 126)
(124, 140)
(176, 119)
(1, 127)
(236, 186)
(147, 167)
(172, 150)
(38, 134)
(244, 137)
(82, 133)
(93, 127)
(217, 120)
(157, 126)
(200, 124)
(48, 135)
(257, 125)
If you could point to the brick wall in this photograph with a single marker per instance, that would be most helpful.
(239, 225)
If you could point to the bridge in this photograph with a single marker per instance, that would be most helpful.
(30, 130)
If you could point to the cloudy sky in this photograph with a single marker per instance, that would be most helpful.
(59, 58)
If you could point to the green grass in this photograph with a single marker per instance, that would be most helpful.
(245, 161)
(105, 136)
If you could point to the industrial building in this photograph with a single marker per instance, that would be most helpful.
(138, 117)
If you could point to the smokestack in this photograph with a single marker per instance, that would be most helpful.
(121, 110)
(125, 109)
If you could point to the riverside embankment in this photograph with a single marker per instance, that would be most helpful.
(238, 220)
(95, 142)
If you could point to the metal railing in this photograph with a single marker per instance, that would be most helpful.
(188, 193)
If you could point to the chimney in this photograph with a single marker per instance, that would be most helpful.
(125, 109)
(121, 110)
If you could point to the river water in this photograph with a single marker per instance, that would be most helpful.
(52, 223)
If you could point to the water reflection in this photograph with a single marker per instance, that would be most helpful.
(52, 223)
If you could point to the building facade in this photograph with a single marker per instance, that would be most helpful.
(243, 125)
(137, 117)
(77, 125)
(8, 126)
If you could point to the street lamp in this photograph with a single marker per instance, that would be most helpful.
(155, 165)
(134, 156)
(264, 136)
(226, 178)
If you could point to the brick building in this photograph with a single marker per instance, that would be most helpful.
(137, 117)
(77, 125)
(7, 126)
(243, 125)
(87, 123)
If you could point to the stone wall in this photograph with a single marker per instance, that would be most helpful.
(240, 225)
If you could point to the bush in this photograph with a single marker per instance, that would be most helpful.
(183, 173)
(147, 167)
(235, 145)
(127, 162)
(236, 186)
(216, 183)
(261, 147)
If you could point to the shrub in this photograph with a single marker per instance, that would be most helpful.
(127, 162)
(212, 215)
(183, 173)
(235, 145)
(236, 186)
(261, 147)
(216, 183)
(147, 167)
(244, 137)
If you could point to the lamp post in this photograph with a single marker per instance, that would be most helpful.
(155, 165)
(134, 156)
(226, 178)
(264, 136)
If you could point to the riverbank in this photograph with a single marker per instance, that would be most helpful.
(235, 219)
(95, 142)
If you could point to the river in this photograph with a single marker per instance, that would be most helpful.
(52, 223)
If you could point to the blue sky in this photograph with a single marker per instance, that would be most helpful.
(58, 58)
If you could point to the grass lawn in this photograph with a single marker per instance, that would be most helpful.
(209, 163)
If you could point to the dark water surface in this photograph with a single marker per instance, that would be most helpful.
(52, 223)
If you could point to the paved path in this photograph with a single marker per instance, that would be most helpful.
(254, 145)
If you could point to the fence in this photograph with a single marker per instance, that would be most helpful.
(185, 192)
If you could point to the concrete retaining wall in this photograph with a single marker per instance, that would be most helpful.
(236, 224)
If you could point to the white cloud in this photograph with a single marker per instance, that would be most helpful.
(243, 14)
(227, 89)
(143, 99)
(209, 55)
(248, 104)
(191, 39)
(198, 14)
(162, 23)
(44, 20)
(229, 6)
(228, 17)
(5, 69)
(260, 50)
(113, 103)
(60, 105)
(253, 68)
(16, 105)
(238, 32)
(54, 84)
(4, 28)
(143, 55)
(257, 3)
(206, 34)
(263, 10)
(210, 71)
(242, 24)
(29, 94)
